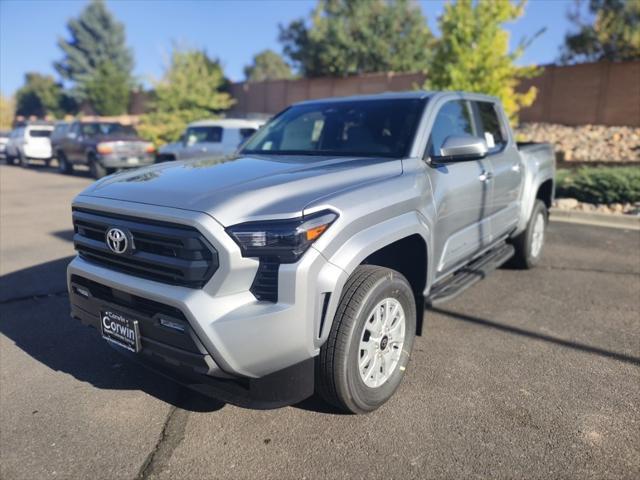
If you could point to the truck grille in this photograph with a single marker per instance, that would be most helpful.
(165, 252)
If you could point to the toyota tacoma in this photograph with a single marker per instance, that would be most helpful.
(304, 262)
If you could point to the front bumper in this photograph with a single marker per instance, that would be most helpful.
(180, 355)
(239, 338)
(116, 160)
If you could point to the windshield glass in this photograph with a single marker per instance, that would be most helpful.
(377, 128)
(103, 128)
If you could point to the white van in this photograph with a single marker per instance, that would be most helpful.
(29, 142)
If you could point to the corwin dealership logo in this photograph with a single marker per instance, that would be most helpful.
(117, 240)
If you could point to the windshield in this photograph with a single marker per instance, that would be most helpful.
(377, 128)
(93, 129)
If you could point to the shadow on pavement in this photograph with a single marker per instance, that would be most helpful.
(538, 336)
(66, 235)
(34, 314)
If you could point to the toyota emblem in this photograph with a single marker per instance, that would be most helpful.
(117, 240)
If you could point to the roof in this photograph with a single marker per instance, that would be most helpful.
(229, 123)
(419, 94)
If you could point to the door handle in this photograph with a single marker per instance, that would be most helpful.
(485, 176)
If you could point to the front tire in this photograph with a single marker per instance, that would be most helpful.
(529, 244)
(96, 168)
(364, 359)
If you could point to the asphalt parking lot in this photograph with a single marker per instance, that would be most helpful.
(527, 375)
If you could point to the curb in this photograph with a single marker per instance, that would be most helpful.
(626, 222)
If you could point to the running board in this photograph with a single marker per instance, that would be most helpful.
(468, 275)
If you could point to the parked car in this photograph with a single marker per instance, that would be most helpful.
(305, 262)
(29, 142)
(208, 138)
(4, 138)
(59, 133)
(103, 146)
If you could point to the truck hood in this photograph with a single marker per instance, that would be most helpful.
(237, 189)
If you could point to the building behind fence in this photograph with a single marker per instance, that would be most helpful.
(592, 93)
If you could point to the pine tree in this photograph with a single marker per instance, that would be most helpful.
(473, 53)
(97, 39)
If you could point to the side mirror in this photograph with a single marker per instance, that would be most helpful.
(457, 148)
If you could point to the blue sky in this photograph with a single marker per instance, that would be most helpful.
(230, 30)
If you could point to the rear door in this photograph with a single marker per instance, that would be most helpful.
(461, 192)
(506, 166)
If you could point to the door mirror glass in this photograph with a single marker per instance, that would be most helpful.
(457, 148)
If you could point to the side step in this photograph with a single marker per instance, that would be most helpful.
(468, 275)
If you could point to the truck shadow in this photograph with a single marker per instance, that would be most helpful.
(621, 357)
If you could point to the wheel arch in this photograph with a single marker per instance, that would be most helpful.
(400, 243)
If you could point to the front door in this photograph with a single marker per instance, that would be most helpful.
(462, 193)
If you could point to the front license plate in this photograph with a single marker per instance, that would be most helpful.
(133, 160)
(118, 329)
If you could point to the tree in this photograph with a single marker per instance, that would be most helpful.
(613, 32)
(97, 39)
(347, 37)
(109, 90)
(7, 112)
(267, 65)
(39, 96)
(473, 53)
(192, 88)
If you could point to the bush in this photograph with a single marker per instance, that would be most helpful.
(600, 184)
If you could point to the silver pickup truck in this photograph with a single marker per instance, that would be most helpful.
(304, 262)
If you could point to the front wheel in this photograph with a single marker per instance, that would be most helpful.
(95, 167)
(64, 166)
(364, 359)
(529, 244)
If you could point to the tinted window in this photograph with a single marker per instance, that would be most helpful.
(204, 135)
(39, 133)
(362, 127)
(491, 128)
(60, 130)
(453, 118)
(106, 128)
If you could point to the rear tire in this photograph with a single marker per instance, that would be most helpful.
(64, 166)
(96, 168)
(364, 359)
(529, 244)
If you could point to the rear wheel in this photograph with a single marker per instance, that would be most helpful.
(529, 244)
(63, 164)
(96, 168)
(364, 359)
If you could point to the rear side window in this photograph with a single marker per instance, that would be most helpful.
(203, 135)
(491, 127)
(453, 119)
(40, 133)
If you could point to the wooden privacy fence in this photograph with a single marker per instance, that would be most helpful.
(592, 93)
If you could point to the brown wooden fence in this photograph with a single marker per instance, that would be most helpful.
(591, 93)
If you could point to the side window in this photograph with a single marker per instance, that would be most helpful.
(454, 118)
(204, 135)
(491, 128)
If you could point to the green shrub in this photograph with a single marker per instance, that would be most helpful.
(600, 184)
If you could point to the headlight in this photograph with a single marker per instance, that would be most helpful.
(104, 148)
(285, 239)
